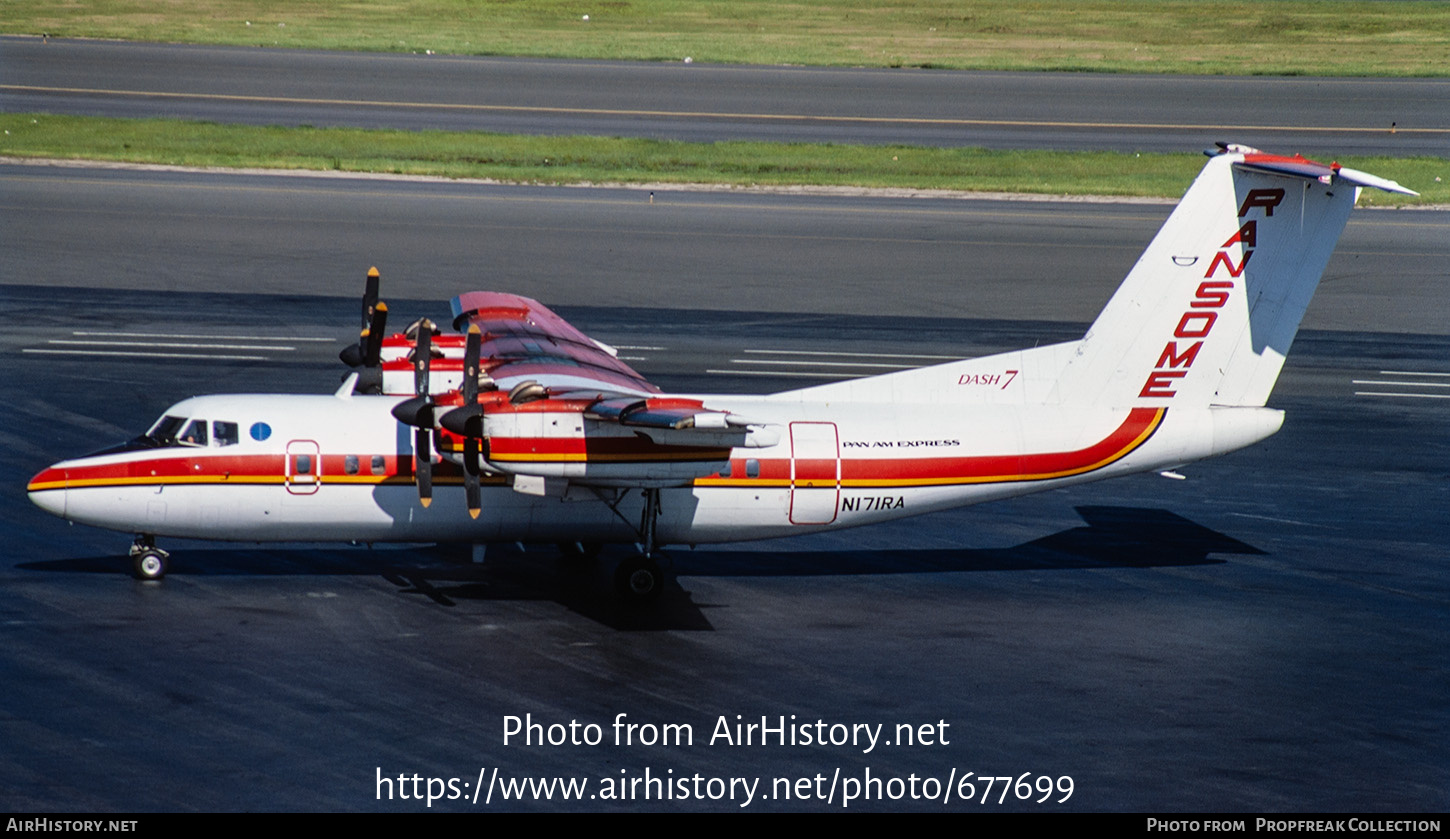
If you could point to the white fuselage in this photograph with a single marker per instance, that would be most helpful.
(327, 468)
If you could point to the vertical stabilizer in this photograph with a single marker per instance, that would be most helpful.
(1207, 314)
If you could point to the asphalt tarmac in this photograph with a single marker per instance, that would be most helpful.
(1269, 634)
(700, 102)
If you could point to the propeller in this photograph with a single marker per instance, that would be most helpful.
(367, 352)
(423, 436)
(467, 420)
(418, 411)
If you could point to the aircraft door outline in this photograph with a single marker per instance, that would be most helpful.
(815, 472)
(302, 470)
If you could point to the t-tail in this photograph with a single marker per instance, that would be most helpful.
(1208, 313)
(1203, 320)
(1192, 342)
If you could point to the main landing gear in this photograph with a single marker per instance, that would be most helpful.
(639, 580)
(148, 562)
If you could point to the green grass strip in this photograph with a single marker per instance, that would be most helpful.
(568, 160)
(1248, 37)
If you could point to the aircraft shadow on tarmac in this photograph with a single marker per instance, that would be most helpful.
(1113, 537)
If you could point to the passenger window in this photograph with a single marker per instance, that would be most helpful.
(304, 464)
(224, 433)
(725, 472)
(380, 466)
(194, 435)
(350, 464)
(752, 468)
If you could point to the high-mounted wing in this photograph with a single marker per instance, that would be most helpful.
(528, 395)
(524, 341)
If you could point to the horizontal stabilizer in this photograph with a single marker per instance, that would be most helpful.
(1303, 167)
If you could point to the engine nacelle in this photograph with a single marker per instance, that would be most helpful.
(567, 444)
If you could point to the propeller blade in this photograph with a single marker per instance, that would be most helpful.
(473, 424)
(423, 415)
(373, 336)
(470, 476)
(370, 297)
(423, 464)
(471, 351)
(422, 356)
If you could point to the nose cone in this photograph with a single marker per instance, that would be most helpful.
(47, 490)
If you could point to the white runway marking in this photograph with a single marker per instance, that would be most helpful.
(857, 354)
(1406, 382)
(159, 345)
(185, 337)
(176, 345)
(210, 356)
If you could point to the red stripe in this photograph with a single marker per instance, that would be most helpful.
(1021, 467)
(601, 446)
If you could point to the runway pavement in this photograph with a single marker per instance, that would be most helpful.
(1343, 117)
(1269, 634)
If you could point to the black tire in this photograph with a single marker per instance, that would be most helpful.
(639, 581)
(149, 565)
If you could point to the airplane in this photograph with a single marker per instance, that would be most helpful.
(524, 429)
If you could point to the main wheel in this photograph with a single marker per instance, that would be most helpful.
(639, 580)
(149, 565)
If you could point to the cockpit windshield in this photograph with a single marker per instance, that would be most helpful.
(163, 433)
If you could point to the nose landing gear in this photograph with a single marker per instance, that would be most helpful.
(148, 562)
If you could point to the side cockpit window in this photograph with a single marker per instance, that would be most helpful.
(194, 434)
(224, 433)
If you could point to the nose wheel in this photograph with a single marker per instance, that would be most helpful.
(148, 562)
